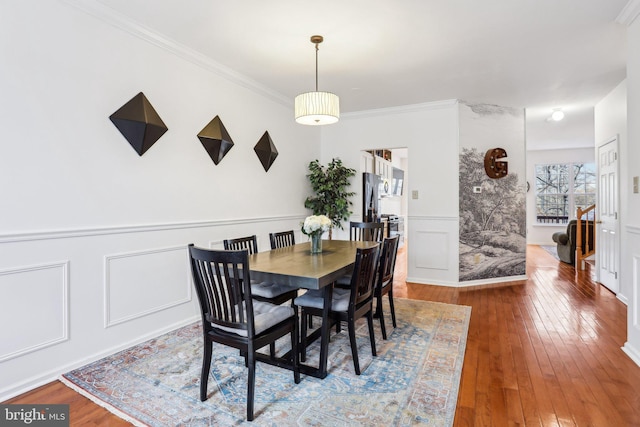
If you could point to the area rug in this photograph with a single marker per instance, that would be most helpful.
(551, 250)
(413, 380)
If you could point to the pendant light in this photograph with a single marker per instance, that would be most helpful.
(317, 108)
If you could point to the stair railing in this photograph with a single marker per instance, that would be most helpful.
(590, 228)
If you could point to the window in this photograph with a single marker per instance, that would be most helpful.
(561, 189)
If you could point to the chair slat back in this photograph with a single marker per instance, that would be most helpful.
(364, 272)
(282, 239)
(387, 262)
(366, 231)
(219, 278)
(250, 243)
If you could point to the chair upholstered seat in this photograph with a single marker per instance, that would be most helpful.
(343, 282)
(270, 290)
(313, 298)
(265, 315)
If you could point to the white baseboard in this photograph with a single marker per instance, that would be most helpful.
(632, 352)
(467, 283)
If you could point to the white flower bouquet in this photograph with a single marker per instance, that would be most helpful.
(316, 225)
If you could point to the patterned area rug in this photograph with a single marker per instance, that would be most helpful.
(413, 380)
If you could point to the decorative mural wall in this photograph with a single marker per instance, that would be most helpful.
(492, 192)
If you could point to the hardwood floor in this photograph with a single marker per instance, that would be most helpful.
(540, 352)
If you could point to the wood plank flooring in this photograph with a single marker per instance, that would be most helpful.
(540, 352)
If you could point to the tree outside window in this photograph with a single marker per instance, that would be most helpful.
(562, 188)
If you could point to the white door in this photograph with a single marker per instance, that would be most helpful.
(607, 241)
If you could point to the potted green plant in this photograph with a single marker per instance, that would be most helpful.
(330, 187)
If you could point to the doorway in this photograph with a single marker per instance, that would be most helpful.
(608, 222)
(390, 167)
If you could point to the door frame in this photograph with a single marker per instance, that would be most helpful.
(616, 141)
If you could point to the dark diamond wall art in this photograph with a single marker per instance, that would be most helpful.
(215, 139)
(266, 151)
(139, 123)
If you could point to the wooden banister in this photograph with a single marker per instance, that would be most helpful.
(590, 227)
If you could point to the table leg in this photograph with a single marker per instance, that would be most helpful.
(325, 330)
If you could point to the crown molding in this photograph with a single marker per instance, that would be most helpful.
(124, 23)
(400, 109)
(629, 13)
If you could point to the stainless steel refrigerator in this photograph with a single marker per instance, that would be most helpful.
(370, 197)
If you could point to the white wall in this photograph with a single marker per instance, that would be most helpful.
(430, 132)
(540, 234)
(630, 274)
(611, 122)
(92, 236)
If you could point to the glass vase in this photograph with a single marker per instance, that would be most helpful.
(316, 243)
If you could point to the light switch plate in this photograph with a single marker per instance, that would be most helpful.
(477, 189)
(414, 194)
(635, 184)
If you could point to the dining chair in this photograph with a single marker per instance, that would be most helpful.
(384, 281)
(282, 239)
(275, 293)
(250, 243)
(231, 317)
(363, 231)
(347, 305)
(367, 231)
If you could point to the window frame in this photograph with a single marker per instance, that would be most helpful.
(566, 178)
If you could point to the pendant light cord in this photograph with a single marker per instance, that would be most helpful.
(317, 67)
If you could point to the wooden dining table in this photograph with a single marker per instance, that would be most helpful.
(296, 266)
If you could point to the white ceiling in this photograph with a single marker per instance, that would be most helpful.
(535, 54)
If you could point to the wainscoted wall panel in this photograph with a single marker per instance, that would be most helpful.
(633, 237)
(632, 275)
(432, 250)
(120, 286)
(141, 283)
(34, 305)
(635, 323)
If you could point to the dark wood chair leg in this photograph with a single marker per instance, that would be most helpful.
(272, 350)
(372, 337)
(381, 316)
(206, 366)
(251, 384)
(393, 309)
(354, 347)
(295, 353)
(303, 336)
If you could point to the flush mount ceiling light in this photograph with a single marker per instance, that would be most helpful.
(557, 115)
(317, 108)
